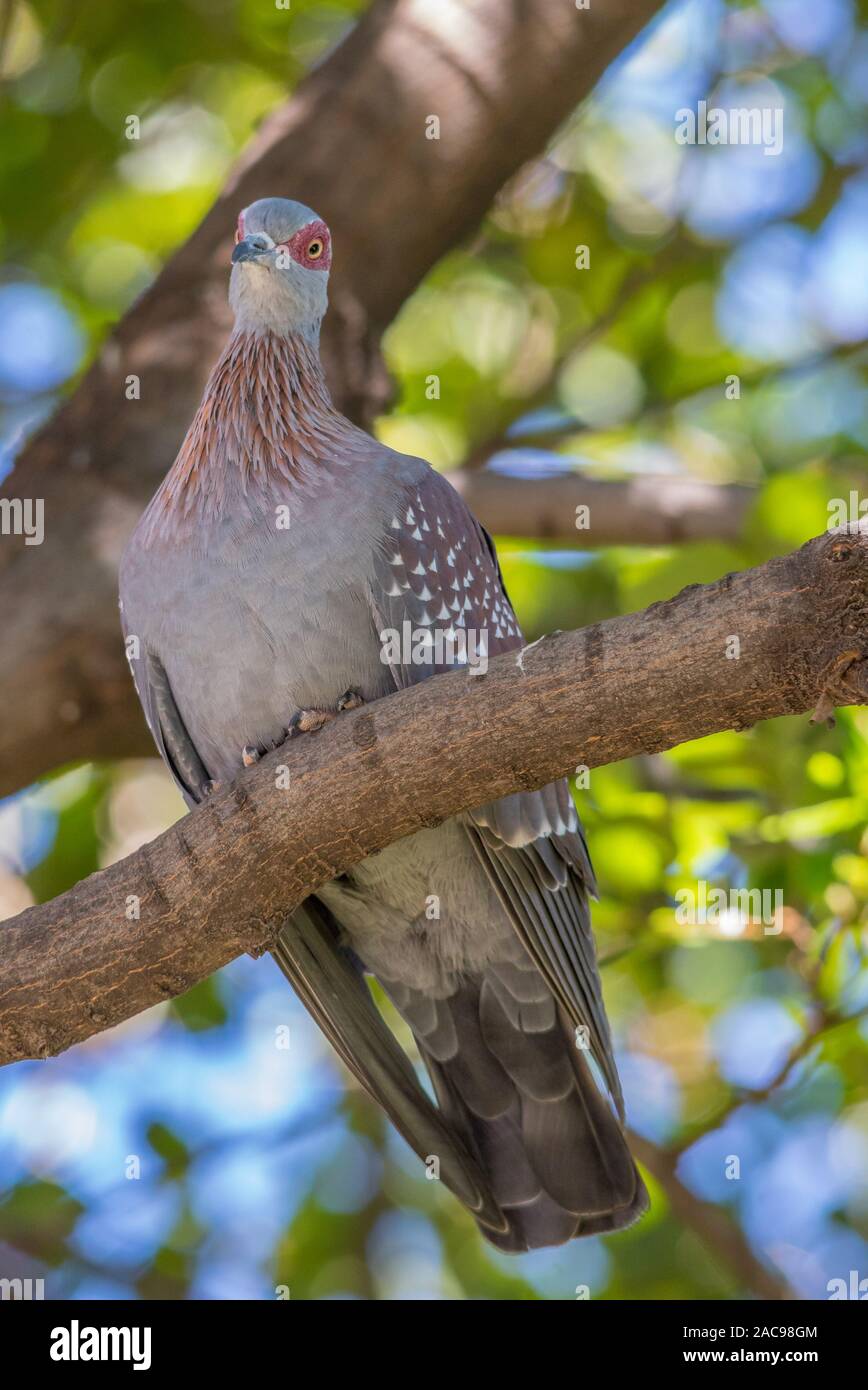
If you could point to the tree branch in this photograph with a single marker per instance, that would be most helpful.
(223, 879)
(641, 511)
(352, 143)
(713, 1224)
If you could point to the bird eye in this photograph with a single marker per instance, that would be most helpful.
(314, 250)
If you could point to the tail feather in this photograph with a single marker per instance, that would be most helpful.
(504, 1159)
(330, 984)
(512, 1083)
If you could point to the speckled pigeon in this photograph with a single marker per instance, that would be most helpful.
(251, 629)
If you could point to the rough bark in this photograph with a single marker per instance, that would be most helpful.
(351, 142)
(223, 878)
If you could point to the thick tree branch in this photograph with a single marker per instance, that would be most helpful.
(352, 143)
(641, 511)
(223, 879)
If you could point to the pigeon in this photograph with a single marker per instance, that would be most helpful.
(289, 568)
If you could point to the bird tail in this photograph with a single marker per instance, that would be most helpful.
(511, 1081)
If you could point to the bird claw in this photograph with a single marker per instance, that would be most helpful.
(309, 721)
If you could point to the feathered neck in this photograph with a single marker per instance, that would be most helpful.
(266, 419)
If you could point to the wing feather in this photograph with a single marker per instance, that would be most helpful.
(334, 992)
(437, 569)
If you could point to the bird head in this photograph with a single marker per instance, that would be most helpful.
(280, 268)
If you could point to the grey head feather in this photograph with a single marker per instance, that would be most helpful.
(270, 292)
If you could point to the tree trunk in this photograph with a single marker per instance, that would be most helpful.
(500, 77)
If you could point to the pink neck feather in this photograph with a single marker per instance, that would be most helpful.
(266, 419)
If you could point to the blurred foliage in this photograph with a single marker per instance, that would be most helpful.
(193, 1152)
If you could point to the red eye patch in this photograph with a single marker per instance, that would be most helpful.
(311, 247)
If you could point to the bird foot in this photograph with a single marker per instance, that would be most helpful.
(209, 788)
(250, 755)
(309, 721)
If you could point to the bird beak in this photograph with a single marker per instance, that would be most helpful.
(249, 249)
